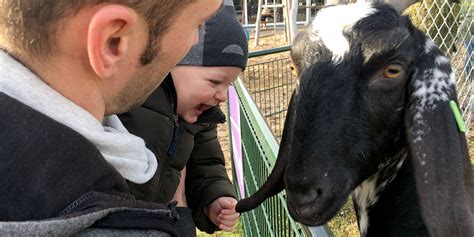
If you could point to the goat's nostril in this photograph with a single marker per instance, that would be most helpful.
(309, 196)
(316, 193)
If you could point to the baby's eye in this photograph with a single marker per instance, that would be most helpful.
(215, 82)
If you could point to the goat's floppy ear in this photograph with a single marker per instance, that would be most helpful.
(438, 148)
(274, 183)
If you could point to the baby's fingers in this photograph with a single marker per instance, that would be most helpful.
(226, 228)
(227, 225)
(228, 217)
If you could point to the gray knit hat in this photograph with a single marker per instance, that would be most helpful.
(222, 41)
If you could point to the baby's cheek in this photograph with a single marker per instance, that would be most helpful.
(206, 99)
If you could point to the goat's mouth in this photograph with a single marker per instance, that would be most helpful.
(317, 210)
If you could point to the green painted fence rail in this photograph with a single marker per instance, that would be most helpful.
(259, 151)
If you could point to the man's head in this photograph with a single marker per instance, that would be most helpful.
(118, 50)
(201, 79)
(30, 26)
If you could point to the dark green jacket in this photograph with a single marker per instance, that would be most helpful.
(176, 144)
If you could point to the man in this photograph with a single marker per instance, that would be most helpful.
(65, 68)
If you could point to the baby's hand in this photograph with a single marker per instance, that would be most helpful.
(222, 213)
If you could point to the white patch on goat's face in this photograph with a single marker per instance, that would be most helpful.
(330, 24)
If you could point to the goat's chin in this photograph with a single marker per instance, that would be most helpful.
(317, 212)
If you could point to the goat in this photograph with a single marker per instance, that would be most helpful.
(371, 116)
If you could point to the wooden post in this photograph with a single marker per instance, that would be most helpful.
(274, 19)
(244, 13)
(293, 19)
(257, 23)
(286, 11)
(308, 12)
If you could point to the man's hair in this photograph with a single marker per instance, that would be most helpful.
(28, 26)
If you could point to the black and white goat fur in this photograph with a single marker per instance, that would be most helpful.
(371, 117)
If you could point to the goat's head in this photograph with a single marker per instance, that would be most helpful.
(350, 106)
(370, 84)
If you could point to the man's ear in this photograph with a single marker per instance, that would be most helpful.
(108, 38)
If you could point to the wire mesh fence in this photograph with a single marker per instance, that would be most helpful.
(271, 84)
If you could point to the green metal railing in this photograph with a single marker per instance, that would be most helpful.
(259, 150)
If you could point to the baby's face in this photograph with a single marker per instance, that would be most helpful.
(201, 88)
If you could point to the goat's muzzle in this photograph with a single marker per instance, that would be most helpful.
(314, 204)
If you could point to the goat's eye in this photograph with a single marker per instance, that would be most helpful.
(392, 71)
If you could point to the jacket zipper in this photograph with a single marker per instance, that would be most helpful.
(174, 141)
(171, 149)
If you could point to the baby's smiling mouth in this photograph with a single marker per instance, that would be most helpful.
(202, 107)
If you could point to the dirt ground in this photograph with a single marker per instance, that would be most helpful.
(345, 223)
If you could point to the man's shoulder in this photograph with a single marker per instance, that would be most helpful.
(44, 159)
(20, 123)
